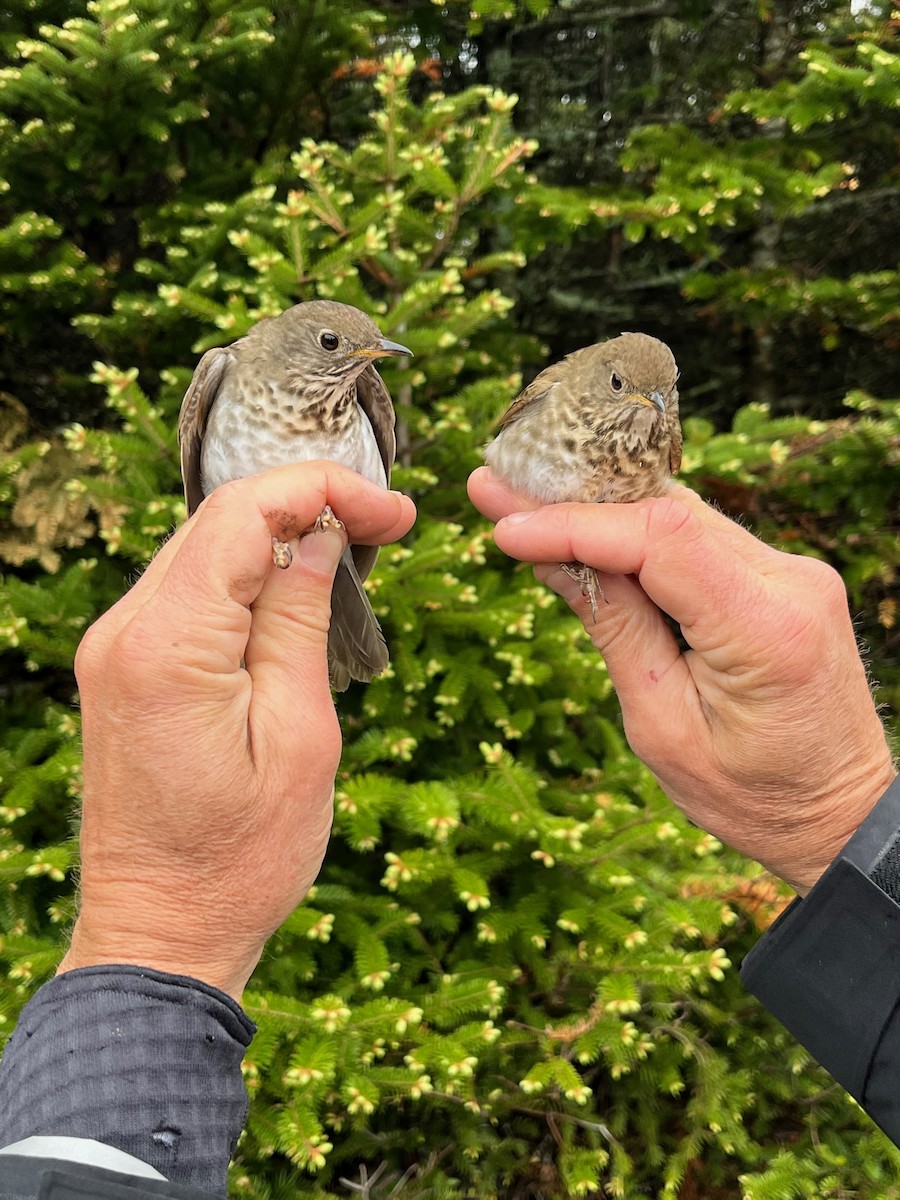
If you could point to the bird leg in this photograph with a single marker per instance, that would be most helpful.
(590, 583)
(282, 556)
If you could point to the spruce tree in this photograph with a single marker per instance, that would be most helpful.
(515, 973)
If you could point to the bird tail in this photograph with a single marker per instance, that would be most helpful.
(356, 645)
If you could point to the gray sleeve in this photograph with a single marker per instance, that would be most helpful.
(143, 1061)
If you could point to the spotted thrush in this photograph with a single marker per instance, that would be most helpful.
(599, 426)
(298, 387)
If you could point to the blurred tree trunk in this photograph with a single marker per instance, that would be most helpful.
(775, 57)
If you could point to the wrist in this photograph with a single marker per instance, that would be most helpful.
(849, 809)
(137, 929)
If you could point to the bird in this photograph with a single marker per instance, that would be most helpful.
(599, 426)
(298, 387)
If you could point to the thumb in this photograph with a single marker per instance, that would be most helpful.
(286, 649)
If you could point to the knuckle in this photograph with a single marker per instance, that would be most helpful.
(812, 613)
(132, 659)
(91, 655)
(669, 517)
(225, 496)
(815, 591)
(641, 741)
(825, 585)
(643, 737)
(136, 643)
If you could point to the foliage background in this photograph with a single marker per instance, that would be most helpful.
(517, 974)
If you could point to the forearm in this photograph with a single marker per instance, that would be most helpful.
(140, 1061)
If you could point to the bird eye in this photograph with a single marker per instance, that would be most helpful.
(329, 340)
(615, 382)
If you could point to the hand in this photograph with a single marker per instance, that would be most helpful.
(208, 785)
(764, 732)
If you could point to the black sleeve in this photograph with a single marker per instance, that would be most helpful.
(829, 967)
(146, 1062)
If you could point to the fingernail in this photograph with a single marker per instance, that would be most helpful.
(322, 549)
(518, 518)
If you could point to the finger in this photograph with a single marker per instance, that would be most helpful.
(651, 676)
(493, 497)
(286, 650)
(282, 503)
(286, 659)
(730, 532)
(496, 500)
(223, 555)
(694, 564)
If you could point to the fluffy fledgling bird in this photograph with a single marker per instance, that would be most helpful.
(298, 387)
(600, 425)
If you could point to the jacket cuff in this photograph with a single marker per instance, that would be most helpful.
(829, 967)
(137, 1059)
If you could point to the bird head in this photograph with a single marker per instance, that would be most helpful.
(636, 369)
(328, 341)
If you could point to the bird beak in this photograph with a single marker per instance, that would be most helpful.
(381, 348)
(655, 398)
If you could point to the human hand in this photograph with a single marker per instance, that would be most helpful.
(208, 785)
(764, 732)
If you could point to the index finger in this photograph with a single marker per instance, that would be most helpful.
(696, 565)
(496, 500)
(224, 552)
(282, 503)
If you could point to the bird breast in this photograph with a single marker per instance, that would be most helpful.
(254, 429)
(582, 456)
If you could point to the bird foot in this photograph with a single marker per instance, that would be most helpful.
(590, 583)
(282, 555)
(327, 520)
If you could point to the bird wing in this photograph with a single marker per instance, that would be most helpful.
(541, 385)
(529, 396)
(195, 409)
(375, 401)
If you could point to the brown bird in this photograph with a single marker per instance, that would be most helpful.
(601, 425)
(298, 387)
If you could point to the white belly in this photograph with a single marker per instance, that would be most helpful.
(233, 449)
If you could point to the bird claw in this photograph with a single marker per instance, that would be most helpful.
(327, 520)
(589, 580)
(282, 556)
